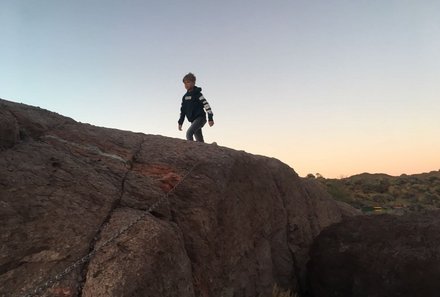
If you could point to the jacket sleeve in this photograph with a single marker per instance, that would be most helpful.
(206, 107)
(182, 115)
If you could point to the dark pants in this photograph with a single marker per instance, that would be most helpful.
(196, 129)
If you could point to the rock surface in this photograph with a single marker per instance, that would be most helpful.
(378, 256)
(235, 225)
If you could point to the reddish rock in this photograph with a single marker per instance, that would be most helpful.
(234, 226)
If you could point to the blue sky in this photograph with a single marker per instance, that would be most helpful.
(335, 87)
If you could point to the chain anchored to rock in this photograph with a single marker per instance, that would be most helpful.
(44, 286)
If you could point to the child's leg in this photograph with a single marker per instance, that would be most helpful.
(199, 135)
(196, 125)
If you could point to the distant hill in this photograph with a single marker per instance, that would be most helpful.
(385, 193)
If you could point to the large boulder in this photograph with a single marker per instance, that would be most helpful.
(235, 225)
(378, 256)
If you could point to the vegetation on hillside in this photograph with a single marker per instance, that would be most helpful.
(384, 193)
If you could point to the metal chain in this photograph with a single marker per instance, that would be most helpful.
(44, 286)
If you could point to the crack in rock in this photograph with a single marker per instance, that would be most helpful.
(116, 204)
(90, 148)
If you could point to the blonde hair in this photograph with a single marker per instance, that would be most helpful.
(190, 77)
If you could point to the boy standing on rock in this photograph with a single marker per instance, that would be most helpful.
(193, 107)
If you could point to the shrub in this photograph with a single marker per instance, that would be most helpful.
(278, 292)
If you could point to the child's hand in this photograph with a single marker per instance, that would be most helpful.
(211, 123)
(180, 127)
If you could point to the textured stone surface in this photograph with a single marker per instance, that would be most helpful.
(130, 266)
(237, 224)
(378, 256)
(9, 133)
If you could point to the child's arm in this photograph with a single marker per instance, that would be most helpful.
(208, 109)
(181, 118)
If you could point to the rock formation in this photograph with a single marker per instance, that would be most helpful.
(378, 256)
(234, 226)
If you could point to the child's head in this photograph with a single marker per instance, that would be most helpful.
(189, 81)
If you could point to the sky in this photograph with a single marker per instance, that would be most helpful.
(332, 87)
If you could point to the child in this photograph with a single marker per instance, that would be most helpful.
(192, 107)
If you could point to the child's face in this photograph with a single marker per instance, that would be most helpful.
(189, 85)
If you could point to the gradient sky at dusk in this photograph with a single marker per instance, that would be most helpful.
(335, 87)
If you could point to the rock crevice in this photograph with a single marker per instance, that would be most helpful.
(115, 205)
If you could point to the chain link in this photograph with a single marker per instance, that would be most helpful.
(44, 286)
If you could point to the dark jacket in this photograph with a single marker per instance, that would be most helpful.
(194, 106)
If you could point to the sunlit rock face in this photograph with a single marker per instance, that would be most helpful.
(235, 225)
